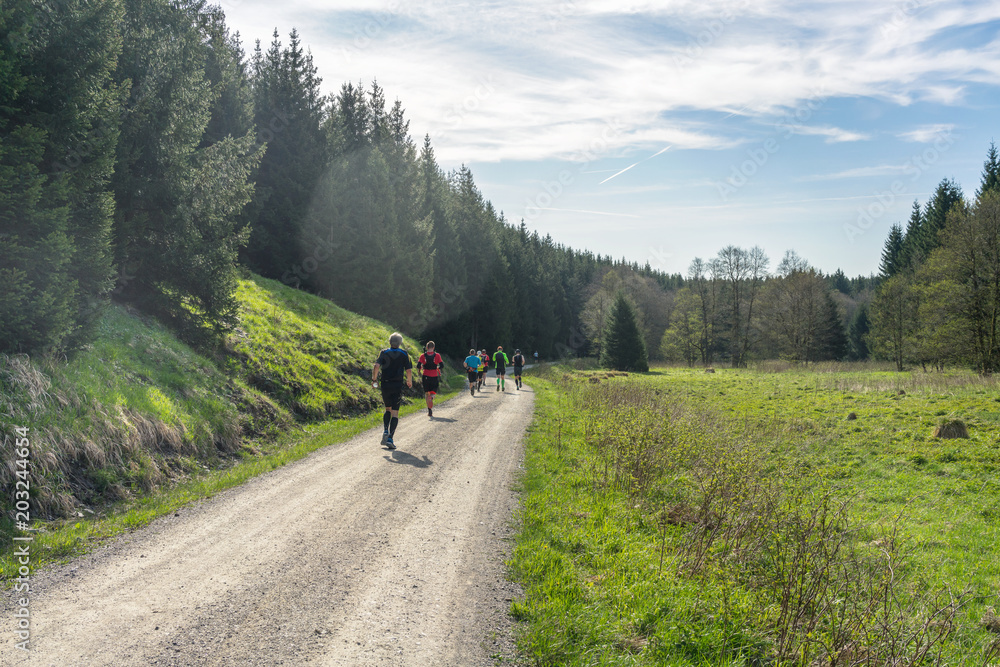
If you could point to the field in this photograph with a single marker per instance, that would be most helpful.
(772, 516)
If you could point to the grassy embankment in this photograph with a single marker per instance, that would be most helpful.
(138, 423)
(743, 518)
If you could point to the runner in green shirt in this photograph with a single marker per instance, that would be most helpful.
(500, 363)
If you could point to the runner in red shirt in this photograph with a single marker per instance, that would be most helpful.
(430, 365)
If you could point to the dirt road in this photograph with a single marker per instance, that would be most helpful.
(355, 555)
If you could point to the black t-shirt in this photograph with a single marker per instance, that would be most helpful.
(394, 361)
(518, 360)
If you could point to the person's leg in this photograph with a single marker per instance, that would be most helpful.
(393, 422)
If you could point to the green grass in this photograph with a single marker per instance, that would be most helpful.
(138, 419)
(620, 471)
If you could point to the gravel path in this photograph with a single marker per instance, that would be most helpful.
(353, 556)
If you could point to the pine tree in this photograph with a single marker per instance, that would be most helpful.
(911, 249)
(288, 113)
(178, 195)
(831, 343)
(857, 335)
(991, 172)
(947, 194)
(624, 348)
(840, 282)
(58, 127)
(893, 249)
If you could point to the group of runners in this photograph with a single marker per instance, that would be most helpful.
(477, 364)
(394, 365)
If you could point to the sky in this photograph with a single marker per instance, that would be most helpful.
(664, 131)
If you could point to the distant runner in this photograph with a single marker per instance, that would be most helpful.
(518, 360)
(536, 356)
(484, 364)
(430, 364)
(393, 362)
(471, 364)
(500, 363)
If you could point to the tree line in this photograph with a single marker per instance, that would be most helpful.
(938, 302)
(145, 157)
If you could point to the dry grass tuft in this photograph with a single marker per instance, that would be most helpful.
(991, 621)
(632, 644)
(951, 429)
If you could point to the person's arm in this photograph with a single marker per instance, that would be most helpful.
(375, 370)
(409, 378)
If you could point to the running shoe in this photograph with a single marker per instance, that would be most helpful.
(385, 437)
(389, 443)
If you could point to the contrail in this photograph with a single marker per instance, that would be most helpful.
(662, 150)
(618, 174)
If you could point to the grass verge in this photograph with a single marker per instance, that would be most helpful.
(740, 518)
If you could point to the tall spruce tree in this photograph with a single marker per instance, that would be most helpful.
(58, 126)
(991, 172)
(831, 343)
(289, 116)
(911, 250)
(857, 335)
(178, 196)
(892, 251)
(624, 348)
(946, 195)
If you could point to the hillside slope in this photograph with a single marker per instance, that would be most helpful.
(138, 408)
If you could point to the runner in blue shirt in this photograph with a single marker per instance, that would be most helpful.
(471, 364)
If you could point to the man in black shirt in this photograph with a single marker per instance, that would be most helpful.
(393, 362)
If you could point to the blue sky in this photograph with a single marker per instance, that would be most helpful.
(663, 131)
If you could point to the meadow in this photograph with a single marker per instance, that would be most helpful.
(765, 516)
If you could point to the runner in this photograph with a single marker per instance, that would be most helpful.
(430, 365)
(500, 363)
(536, 356)
(392, 362)
(518, 361)
(471, 364)
(484, 363)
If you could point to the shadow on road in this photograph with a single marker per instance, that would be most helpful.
(409, 459)
(442, 419)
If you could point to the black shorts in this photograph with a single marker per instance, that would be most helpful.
(431, 383)
(501, 370)
(392, 396)
(517, 370)
(481, 373)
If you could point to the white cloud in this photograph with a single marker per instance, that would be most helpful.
(833, 134)
(562, 74)
(860, 172)
(926, 134)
